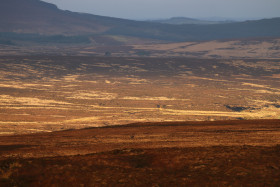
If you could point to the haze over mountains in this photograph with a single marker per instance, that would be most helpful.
(35, 20)
(185, 20)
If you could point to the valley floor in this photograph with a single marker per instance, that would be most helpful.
(52, 93)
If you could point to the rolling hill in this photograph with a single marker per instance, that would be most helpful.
(20, 18)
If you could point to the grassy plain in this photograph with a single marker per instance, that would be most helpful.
(50, 93)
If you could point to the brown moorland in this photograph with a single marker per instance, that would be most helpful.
(220, 153)
(42, 95)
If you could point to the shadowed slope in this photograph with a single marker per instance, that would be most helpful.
(34, 16)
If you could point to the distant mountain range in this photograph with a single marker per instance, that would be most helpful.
(38, 21)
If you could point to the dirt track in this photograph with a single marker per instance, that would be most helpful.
(161, 154)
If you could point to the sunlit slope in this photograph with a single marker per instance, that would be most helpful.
(56, 93)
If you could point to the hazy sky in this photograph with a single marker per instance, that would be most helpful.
(151, 9)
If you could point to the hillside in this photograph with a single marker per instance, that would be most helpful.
(248, 29)
(224, 153)
(41, 18)
(34, 16)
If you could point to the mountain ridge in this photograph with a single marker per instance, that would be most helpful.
(43, 19)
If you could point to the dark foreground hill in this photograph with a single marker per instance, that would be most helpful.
(40, 18)
(221, 153)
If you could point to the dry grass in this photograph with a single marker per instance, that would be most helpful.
(93, 95)
(153, 98)
(210, 49)
(9, 170)
(50, 96)
(29, 101)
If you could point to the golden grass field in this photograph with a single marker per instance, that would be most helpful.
(49, 93)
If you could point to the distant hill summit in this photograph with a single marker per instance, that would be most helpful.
(20, 18)
(184, 20)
